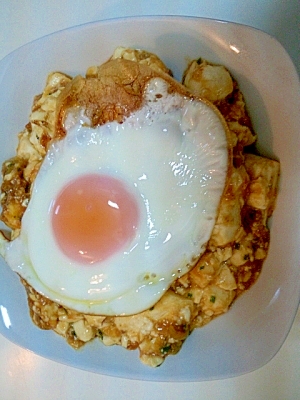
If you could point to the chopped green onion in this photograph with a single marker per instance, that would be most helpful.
(165, 349)
(100, 334)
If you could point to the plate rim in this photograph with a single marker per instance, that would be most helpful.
(140, 18)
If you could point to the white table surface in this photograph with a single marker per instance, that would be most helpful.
(24, 375)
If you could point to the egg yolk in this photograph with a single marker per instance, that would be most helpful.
(93, 217)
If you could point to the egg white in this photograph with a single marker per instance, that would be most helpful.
(172, 155)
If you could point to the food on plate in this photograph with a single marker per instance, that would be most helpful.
(154, 214)
(127, 201)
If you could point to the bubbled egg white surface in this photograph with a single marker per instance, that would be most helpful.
(172, 156)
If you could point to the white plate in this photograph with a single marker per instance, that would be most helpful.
(253, 331)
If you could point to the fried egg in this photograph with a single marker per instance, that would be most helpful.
(119, 211)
